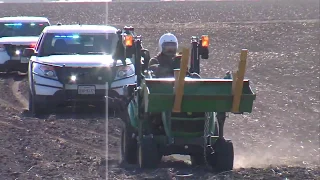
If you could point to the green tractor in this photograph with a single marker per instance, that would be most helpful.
(182, 115)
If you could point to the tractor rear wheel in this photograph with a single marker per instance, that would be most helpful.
(222, 158)
(148, 153)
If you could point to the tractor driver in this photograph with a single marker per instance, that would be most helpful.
(167, 60)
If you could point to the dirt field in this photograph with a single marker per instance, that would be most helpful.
(279, 140)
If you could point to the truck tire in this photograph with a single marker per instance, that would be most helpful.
(23, 71)
(128, 145)
(148, 153)
(34, 107)
(197, 160)
(223, 157)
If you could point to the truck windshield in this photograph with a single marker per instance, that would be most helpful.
(78, 43)
(10, 29)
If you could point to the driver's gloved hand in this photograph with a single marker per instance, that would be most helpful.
(154, 67)
(160, 70)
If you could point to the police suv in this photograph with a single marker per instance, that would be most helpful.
(17, 33)
(75, 64)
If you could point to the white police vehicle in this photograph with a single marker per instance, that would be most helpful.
(17, 33)
(75, 64)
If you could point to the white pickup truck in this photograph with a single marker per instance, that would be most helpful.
(16, 34)
(75, 64)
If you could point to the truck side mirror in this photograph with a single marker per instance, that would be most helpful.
(28, 52)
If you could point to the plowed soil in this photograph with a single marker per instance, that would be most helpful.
(279, 140)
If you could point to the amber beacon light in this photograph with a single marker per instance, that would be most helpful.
(205, 41)
(128, 40)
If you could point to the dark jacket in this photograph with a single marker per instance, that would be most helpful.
(163, 65)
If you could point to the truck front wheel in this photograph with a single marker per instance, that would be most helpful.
(35, 107)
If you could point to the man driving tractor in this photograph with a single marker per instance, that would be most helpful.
(162, 66)
(164, 63)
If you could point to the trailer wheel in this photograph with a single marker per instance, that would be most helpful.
(128, 145)
(148, 153)
(222, 159)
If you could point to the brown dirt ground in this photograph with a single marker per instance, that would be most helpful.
(279, 140)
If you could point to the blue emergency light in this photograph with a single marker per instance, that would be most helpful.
(67, 36)
(13, 24)
(20, 24)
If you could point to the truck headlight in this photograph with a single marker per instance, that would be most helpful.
(73, 78)
(125, 71)
(44, 70)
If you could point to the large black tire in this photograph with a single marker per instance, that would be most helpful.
(23, 71)
(223, 157)
(197, 160)
(34, 107)
(148, 153)
(128, 145)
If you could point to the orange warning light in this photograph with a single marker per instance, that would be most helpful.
(128, 40)
(205, 41)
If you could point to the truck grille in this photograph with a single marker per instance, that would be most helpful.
(94, 75)
(11, 49)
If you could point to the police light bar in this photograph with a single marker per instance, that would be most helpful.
(205, 41)
(13, 24)
(67, 36)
